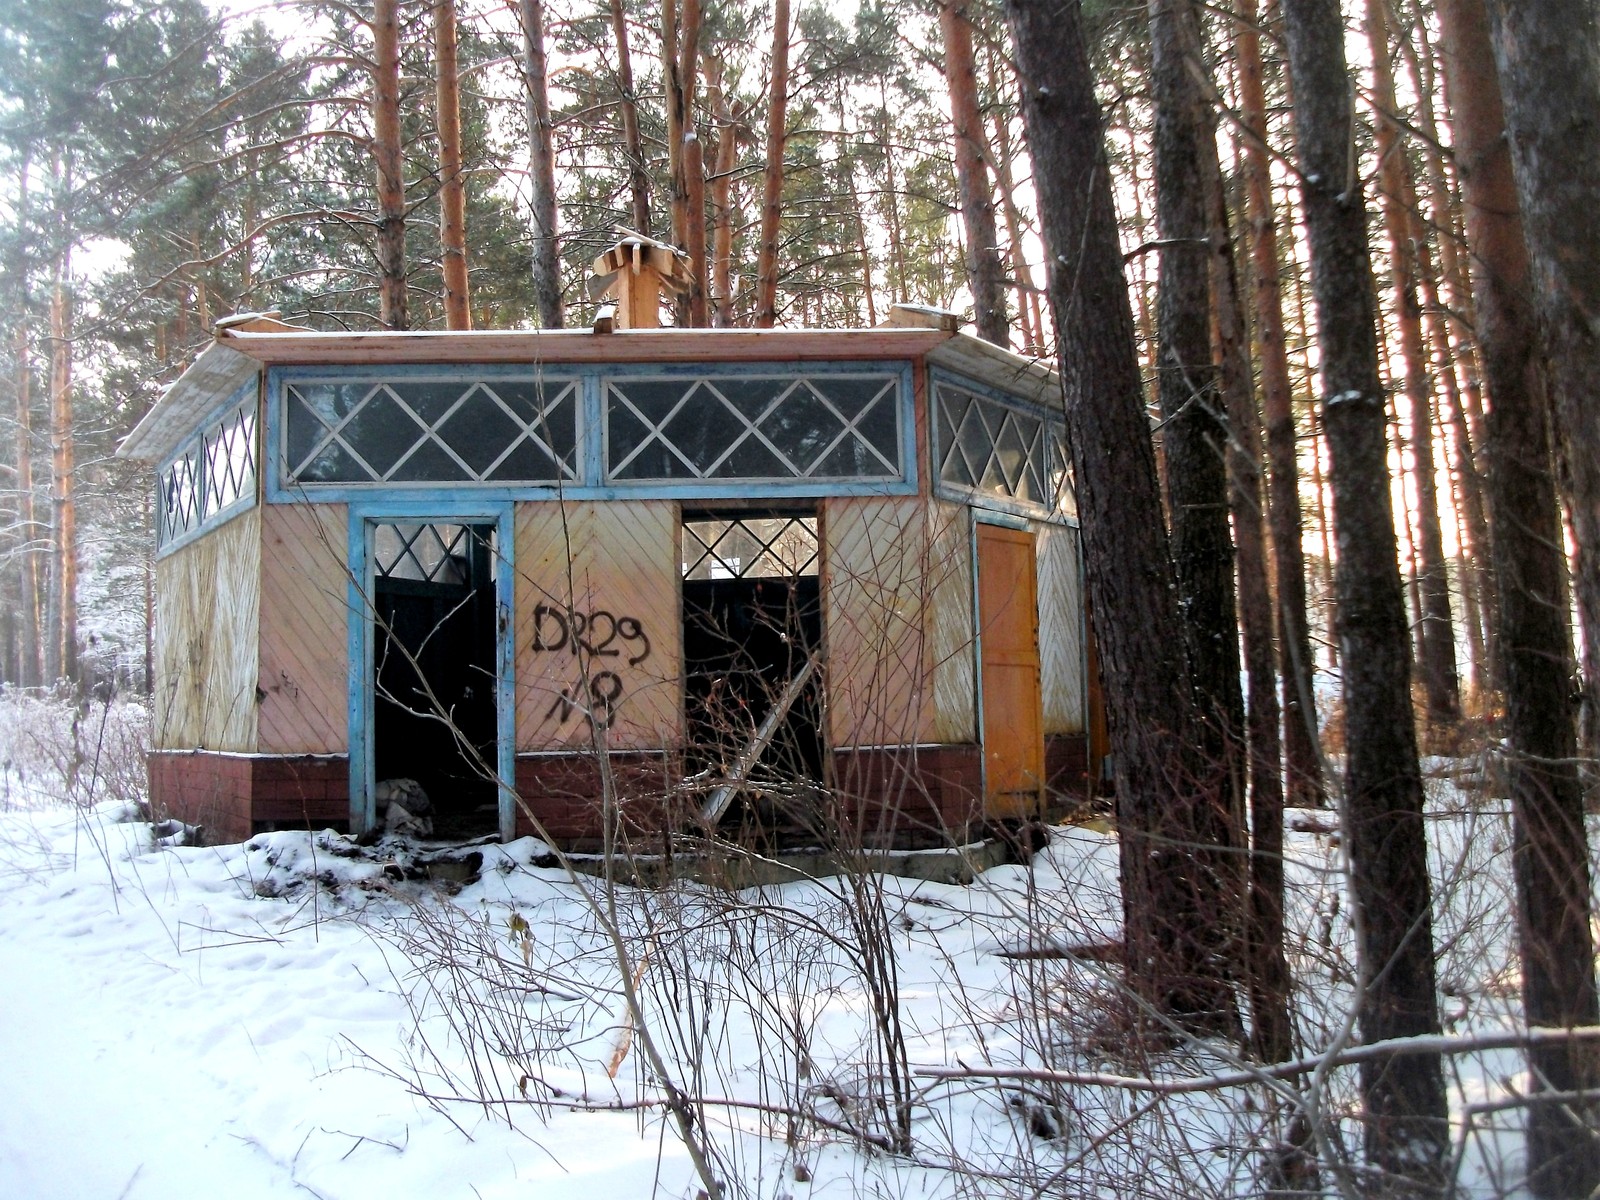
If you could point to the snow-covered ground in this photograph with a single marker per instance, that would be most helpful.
(297, 1016)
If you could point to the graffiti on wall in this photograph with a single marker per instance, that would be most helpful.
(598, 641)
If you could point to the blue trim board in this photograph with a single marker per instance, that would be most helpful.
(362, 517)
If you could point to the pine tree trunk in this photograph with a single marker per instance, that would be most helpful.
(1407, 1130)
(541, 170)
(1195, 436)
(452, 183)
(1407, 246)
(392, 305)
(1551, 858)
(694, 228)
(28, 532)
(633, 143)
(64, 507)
(1297, 663)
(1550, 81)
(722, 201)
(772, 178)
(1170, 804)
(985, 270)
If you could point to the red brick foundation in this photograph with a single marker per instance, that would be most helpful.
(235, 795)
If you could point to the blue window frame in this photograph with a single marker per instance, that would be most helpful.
(211, 476)
(506, 432)
(999, 451)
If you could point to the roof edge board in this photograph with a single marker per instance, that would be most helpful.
(216, 373)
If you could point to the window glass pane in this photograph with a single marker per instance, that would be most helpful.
(731, 427)
(749, 548)
(989, 446)
(432, 431)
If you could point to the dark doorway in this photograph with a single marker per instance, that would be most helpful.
(434, 715)
(752, 616)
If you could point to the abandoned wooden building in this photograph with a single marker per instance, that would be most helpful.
(737, 573)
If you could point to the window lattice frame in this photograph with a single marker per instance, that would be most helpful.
(970, 427)
(212, 475)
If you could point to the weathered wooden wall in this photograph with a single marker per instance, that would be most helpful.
(875, 602)
(207, 607)
(949, 587)
(1061, 649)
(305, 624)
(615, 564)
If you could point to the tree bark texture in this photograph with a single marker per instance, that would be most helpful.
(63, 496)
(633, 142)
(1268, 979)
(772, 178)
(722, 215)
(452, 183)
(1550, 856)
(1407, 248)
(694, 227)
(1407, 1130)
(1194, 431)
(1170, 805)
(28, 532)
(392, 306)
(1296, 662)
(1550, 82)
(985, 270)
(541, 170)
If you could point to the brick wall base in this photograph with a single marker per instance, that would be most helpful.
(236, 795)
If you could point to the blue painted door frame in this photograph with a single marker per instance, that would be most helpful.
(454, 509)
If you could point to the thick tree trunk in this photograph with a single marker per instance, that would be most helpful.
(985, 271)
(633, 143)
(392, 307)
(452, 183)
(1407, 1128)
(1551, 858)
(772, 179)
(541, 169)
(1407, 246)
(1176, 900)
(1550, 80)
(1195, 435)
(1296, 662)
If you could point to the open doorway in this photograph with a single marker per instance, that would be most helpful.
(434, 695)
(752, 621)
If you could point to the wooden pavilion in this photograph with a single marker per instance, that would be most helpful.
(717, 574)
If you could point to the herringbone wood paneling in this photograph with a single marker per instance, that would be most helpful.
(613, 568)
(304, 629)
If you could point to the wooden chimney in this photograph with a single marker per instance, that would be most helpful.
(633, 274)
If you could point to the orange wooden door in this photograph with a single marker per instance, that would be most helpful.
(1013, 717)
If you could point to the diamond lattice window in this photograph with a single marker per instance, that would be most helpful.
(987, 446)
(414, 431)
(756, 428)
(425, 553)
(212, 475)
(750, 548)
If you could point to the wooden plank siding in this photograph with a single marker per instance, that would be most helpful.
(305, 621)
(949, 585)
(875, 602)
(207, 604)
(1061, 648)
(616, 565)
